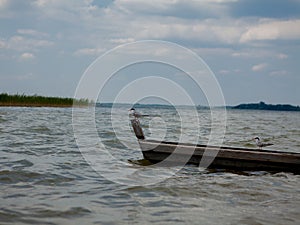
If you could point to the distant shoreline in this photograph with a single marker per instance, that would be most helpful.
(264, 106)
(245, 106)
(15, 104)
(17, 100)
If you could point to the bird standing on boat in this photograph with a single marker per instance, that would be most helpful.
(133, 113)
(261, 144)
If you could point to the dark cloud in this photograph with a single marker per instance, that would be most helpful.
(189, 11)
(177, 9)
(102, 3)
(19, 8)
(266, 8)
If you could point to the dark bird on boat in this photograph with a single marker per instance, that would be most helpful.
(261, 144)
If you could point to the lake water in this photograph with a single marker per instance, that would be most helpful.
(44, 178)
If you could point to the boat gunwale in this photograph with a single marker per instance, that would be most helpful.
(213, 147)
(226, 154)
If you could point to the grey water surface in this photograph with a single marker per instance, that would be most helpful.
(44, 178)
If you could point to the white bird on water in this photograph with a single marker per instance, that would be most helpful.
(261, 144)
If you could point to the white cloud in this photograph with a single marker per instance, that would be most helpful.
(197, 31)
(122, 40)
(128, 20)
(224, 72)
(249, 53)
(272, 30)
(32, 32)
(2, 44)
(67, 10)
(3, 3)
(4, 12)
(27, 56)
(241, 54)
(20, 43)
(176, 8)
(282, 56)
(259, 67)
(59, 3)
(279, 73)
(28, 76)
(212, 51)
(89, 51)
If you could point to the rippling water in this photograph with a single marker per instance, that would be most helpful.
(44, 178)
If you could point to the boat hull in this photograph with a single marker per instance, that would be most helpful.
(243, 159)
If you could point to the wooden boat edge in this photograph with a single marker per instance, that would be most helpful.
(236, 158)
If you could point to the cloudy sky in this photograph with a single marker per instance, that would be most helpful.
(252, 46)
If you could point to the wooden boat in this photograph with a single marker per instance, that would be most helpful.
(218, 157)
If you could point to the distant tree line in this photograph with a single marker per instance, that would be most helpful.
(36, 100)
(264, 106)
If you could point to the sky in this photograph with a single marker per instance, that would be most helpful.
(251, 46)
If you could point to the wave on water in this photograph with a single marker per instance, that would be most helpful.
(44, 178)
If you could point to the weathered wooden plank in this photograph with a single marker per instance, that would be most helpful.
(224, 153)
(225, 158)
